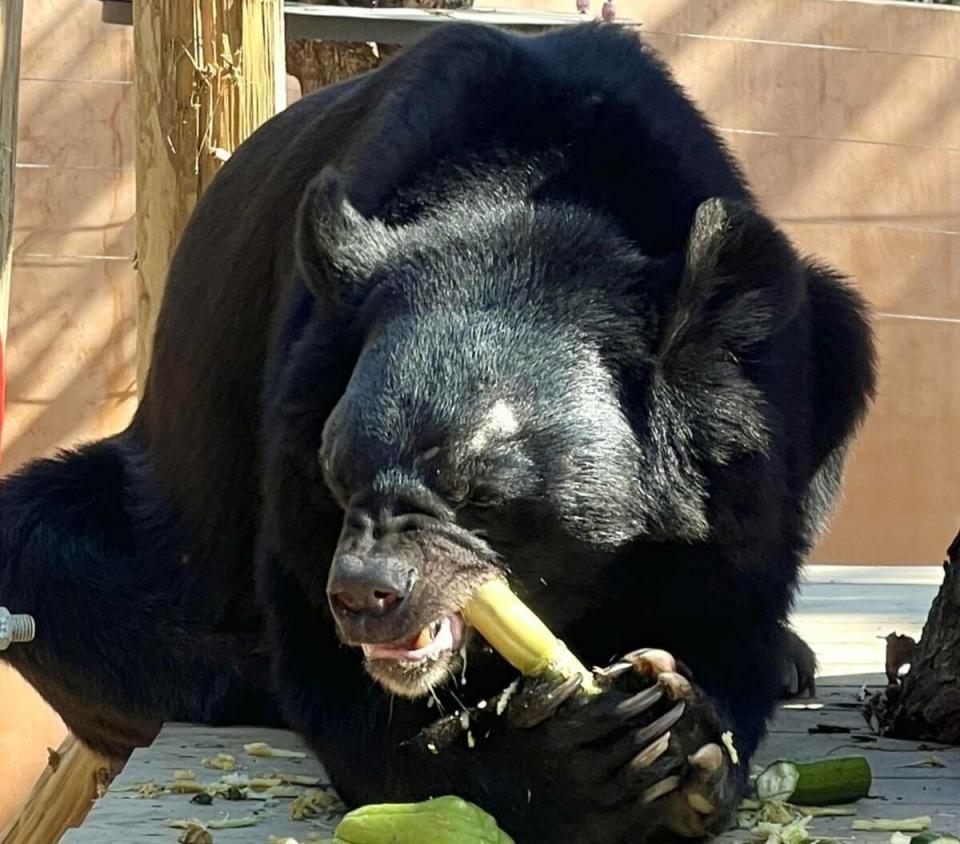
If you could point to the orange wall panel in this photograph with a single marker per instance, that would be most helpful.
(71, 344)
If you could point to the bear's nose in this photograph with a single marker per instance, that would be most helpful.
(372, 586)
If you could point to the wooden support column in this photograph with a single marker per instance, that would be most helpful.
(208, 72)
(11, 22)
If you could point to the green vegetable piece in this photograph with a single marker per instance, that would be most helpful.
(443, 820)
(918, 824)
(796, 832)
(521, 638)
(823, 783)
(935, 838)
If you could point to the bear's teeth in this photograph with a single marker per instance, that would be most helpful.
(424, 638)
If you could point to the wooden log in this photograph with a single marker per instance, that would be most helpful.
(62, 796)
(316, 64)
(11, 20)
(209, 72)
(926, 704)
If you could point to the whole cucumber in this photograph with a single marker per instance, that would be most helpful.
(826, 782)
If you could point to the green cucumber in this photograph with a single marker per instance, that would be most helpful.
(934, 838)
(443, 820)
(826, 782)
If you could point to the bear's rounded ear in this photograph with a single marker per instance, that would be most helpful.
(337, 248)
(741, 283)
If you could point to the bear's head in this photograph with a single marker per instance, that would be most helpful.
(526, 393)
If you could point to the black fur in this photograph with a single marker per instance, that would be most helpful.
(546, 222)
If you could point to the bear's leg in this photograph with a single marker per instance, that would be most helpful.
(90, 550)
(799, 667)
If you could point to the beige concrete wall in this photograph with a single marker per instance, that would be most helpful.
(846, 116)
(847, 119)
(72, 311)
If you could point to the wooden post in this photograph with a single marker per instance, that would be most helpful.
(11, 19)
(208, 72)
(62, 796)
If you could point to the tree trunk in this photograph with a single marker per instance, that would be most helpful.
(318, 63)
(926, 704)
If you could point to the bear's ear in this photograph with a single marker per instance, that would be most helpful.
(741, 283)
(337, 248)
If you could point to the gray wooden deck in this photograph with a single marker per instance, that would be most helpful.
(841, 612)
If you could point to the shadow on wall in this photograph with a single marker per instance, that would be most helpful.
(71, 343)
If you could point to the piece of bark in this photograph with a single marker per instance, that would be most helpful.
(926, 703)
(900, 652)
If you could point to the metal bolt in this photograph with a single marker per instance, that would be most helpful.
(15, 628)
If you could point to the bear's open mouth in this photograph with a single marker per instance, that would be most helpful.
(445, 635)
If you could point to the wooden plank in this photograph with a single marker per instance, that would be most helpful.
(85, 48)
(851, 680)
(901, 788)
(838, 627)
(11, 27)
(943, 816)
(888, 758)
(75, 212)
(812, 180)
(791, 721)
(845, 623)
(845, 95)
(70, 123)
(208, 74)
(72, 345)
(898, 791)
(870, 607)
(873, 575)
(903, 272)
(899, 503)
(391, 25)
(406, 25)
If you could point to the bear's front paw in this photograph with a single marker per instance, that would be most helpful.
(645, 753)
(699, 795)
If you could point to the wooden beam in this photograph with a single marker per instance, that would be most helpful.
(392, 25)
(11, 20)
(208, 72)
(62, 796)
(404, 25)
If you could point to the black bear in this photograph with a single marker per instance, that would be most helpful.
(505, 305)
